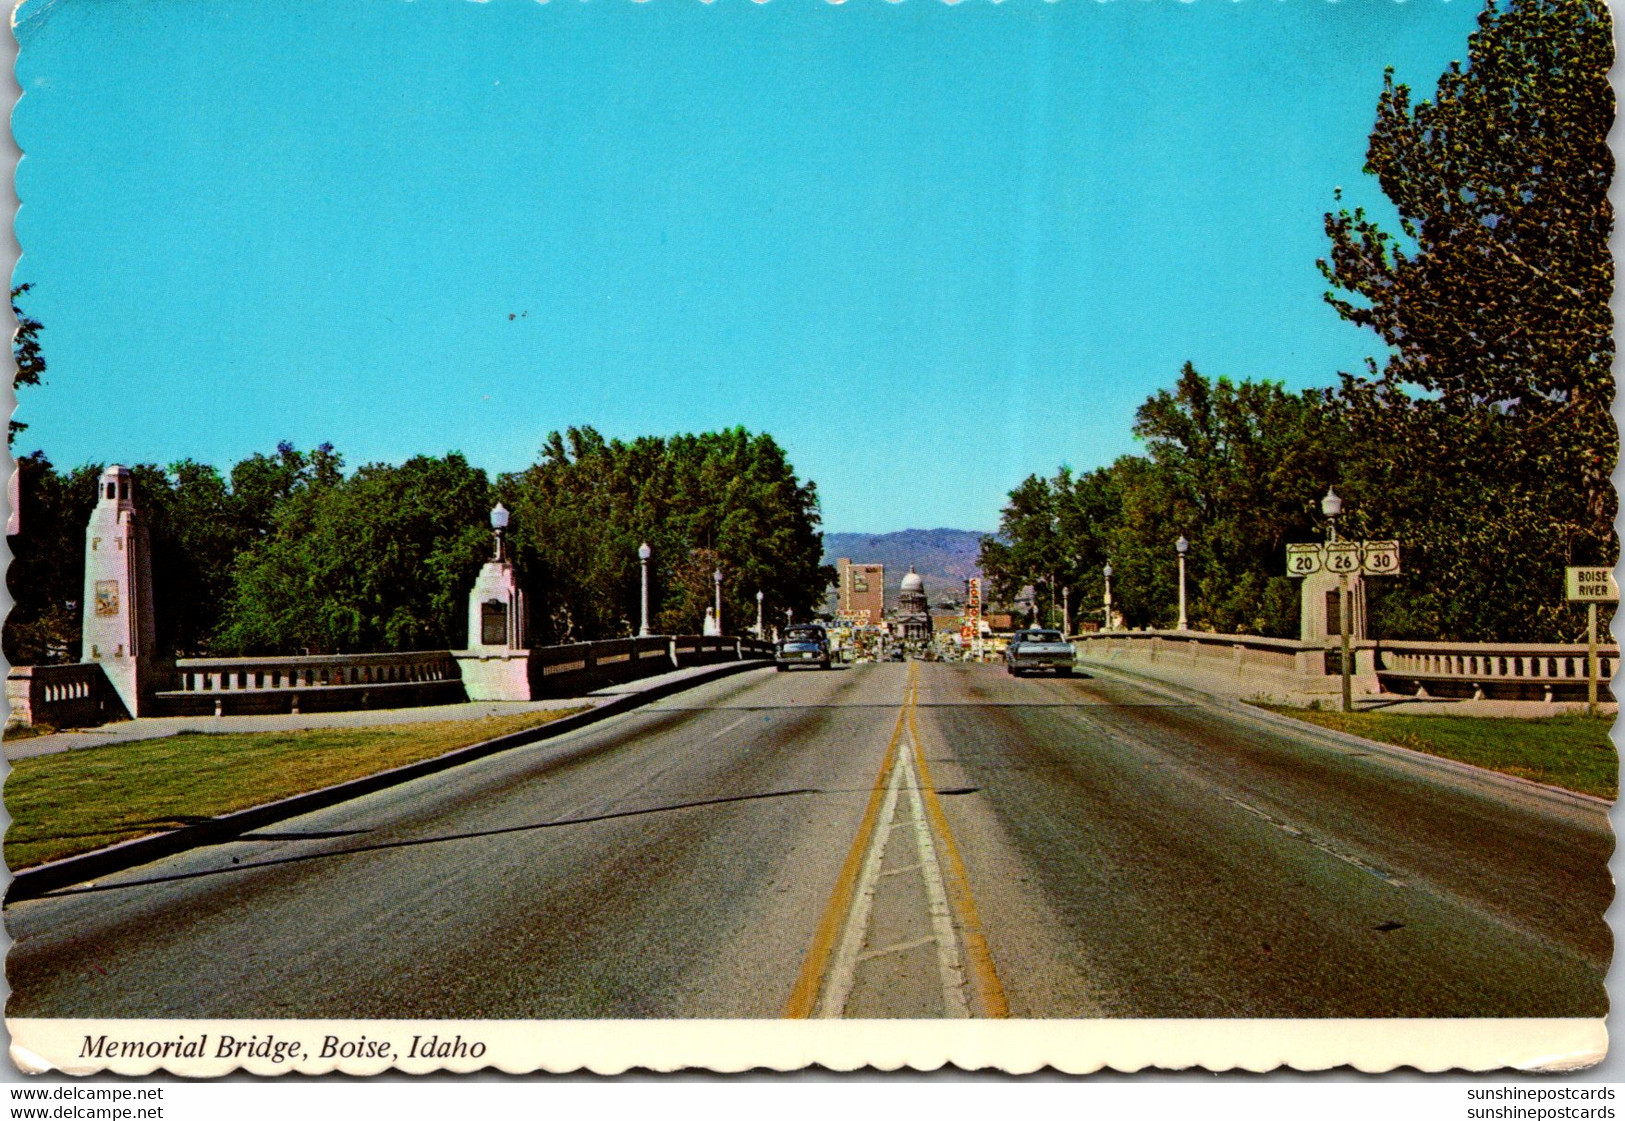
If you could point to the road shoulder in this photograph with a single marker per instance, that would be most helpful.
(1491, 782)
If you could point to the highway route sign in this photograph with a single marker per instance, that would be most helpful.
(1379, 558)
(1303, 560)
(1369, 558)
(1592, 585)
(1342, 557)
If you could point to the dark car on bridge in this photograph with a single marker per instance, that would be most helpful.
(1033, 650)
(802, 646)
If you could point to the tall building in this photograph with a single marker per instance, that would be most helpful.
(862, 592)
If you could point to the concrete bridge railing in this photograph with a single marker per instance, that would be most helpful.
(580, 666)
(73, 696)
(308, 683)
(1280, 663)
(61, 696)
(1511, 671)
(1495, 671)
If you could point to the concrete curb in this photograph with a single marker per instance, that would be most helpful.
(34, 882)
(1329, 737)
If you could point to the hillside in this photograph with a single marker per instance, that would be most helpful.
(943, 557)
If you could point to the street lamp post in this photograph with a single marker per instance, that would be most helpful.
(644, 553)
(716, 578)
(759, 632)
(1108, 595)
(1066, 610)
(1182, 547)
(1332, 507)
(499, 526)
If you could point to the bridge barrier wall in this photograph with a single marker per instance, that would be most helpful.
(580, 667)
(1273, 663)
(1493, 671)
(77, 695)
(307, 683)
(1498, 671)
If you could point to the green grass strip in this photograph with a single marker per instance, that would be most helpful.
(1572, 751)
(76, 801)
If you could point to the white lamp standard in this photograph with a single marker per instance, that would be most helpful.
(759, 632)
(1066, 610)
(1332, 507)
(1108, 572)
(644, 553)
(499, 525)
(716, 577)
(1182, 547)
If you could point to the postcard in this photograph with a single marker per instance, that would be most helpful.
(716, 535)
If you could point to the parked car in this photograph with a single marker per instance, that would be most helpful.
(1038, 649)
(802, 646)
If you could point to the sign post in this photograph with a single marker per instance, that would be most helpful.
(1592, 586)
(1368, 558)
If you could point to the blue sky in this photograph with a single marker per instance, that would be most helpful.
(931, 248)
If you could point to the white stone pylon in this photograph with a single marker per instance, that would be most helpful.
(118, 630)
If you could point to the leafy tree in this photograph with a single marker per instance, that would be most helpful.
(25, 350)
(1497, 291)
(1493, 297)
(382, 560)
(726, 498)
(47, 572)
(1235, 467)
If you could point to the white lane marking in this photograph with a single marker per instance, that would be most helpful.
(904, 778)
(900, 871)
(729, 728)
(1316, 843)
(842, 974)
(942, 924)
(898, 948)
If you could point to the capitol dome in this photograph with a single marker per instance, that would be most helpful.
(912, 582)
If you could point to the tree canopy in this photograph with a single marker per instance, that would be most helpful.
(288, 552)
(1234, 467)
(1483, 441)
(25, 351)
(725, 499)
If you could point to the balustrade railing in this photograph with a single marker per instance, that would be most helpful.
(314, 671)
(75, 695)
(1528, 671)
(79, 695)
(1508, 671)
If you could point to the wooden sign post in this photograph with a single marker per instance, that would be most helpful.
(1592, 586)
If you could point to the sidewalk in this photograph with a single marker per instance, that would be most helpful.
(155, 727)
(1240, 689)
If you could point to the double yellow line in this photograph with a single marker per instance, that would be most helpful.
(983, 976)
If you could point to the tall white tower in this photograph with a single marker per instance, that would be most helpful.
(118, 621)
(496, 665)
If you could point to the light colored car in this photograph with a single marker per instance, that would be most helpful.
(1033, 650)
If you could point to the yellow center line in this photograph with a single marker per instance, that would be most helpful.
(989, 992)
(985, 978)
(804, 997)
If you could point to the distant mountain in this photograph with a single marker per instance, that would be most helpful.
(943, 557)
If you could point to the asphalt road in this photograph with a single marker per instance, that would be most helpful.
(894, 840)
